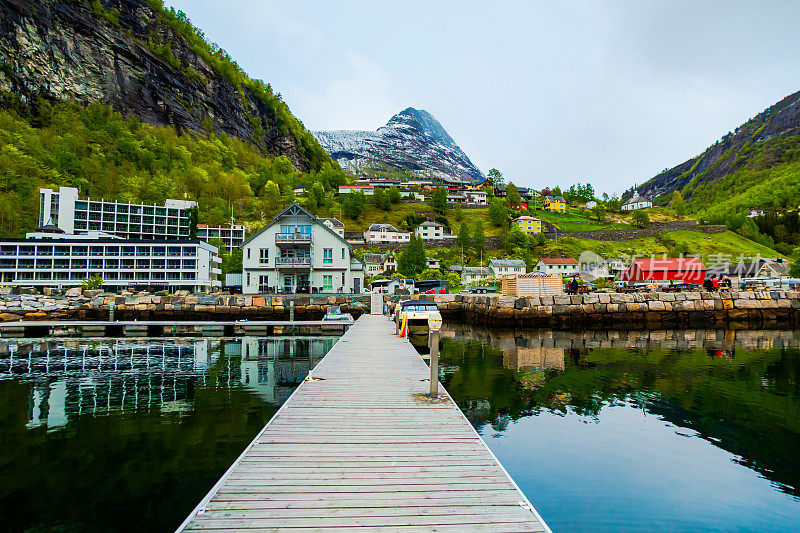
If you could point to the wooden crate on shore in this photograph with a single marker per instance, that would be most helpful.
(532, 284)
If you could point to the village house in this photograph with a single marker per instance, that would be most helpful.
(354, 237)
(556, 204)
(298, 253)
(389, 263)
(501, 267)
(373, 264)
(385, 233)
(412, 194)
(430, 230)
(681, 269)
(336, 225)
(431, 262)
(637, 202)
(591, 204)
(566, 266)
(470, 274)
(366, 189)
(475, 197)
(753, 213)
(530, 225)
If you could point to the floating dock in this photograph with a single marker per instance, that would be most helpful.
(167, 328)
(359, 445)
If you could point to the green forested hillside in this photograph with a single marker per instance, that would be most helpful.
(104, 154)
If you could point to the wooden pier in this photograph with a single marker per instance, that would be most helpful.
(359, 445)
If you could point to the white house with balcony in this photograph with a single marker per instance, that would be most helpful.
(296, 252)
(378, 233)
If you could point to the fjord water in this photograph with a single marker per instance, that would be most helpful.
(638, 431)
(128, 435)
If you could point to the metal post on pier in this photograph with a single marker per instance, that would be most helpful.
(434, 324)
(291, 310)
(111, 312)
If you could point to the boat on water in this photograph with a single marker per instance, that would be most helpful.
(418, 313)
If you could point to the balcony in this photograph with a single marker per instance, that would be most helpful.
(293, 262)
(292, 238)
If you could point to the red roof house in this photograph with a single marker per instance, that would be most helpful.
(686, 269)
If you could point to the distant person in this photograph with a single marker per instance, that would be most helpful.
(726, 281)
(708, 284)
(573, 287)
(715, 283)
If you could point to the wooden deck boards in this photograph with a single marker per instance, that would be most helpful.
(360, 446)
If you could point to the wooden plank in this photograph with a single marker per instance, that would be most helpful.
(363, 448)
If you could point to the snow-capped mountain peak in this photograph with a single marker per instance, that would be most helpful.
(412, 140)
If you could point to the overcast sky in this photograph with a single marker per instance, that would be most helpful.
(549, 92)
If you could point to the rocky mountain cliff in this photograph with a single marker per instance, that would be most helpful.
(145, 61)
(412, 140)
(758, 144)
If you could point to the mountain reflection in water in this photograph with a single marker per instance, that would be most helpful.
(94, 432)
(737, 391)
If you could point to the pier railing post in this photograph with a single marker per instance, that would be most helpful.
(111, 312)
(433, 343)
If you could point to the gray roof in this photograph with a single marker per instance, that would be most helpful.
(375, 259)
(482, 271)
(336, 223)
(455, 268)
(507, 263)
(431, 223)
(382, 227)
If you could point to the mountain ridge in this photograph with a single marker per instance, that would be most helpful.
(411, 141)
(146, 61)
(759, 144)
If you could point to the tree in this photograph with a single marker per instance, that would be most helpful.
(353, 204)
(498, 212)
(394, 195)
(495, 177)
(317, 192)
(270, 199)
(512, 195)
(458, 213)
(412, 261)
(430, 273)
(641, 218)
(794, 269)
(599, 212)
(678, 203)
(463, 236)
(478, 238)
(377, 196)
(92, 282)
(439, 200)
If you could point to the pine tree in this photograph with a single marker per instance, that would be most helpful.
(512, 195)
(478, 238)
(463, 236)
(439, 200)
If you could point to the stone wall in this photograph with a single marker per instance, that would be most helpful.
(630, 234)
(628, 311)
(75, 304)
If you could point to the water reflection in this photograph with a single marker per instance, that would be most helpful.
(93, 432)
(559, 407)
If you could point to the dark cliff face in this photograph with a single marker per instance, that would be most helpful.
(63, 49)
(729, 153)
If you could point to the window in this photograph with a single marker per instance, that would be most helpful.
(248, 253)
(263, 256)
(343, 279)
(327, 256)
(263, 283)
(327, 282)
(342, 253)
(248, 279)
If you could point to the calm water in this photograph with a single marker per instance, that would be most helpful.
(121, 435)
(661, 431)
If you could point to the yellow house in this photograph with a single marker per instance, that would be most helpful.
(529, 225)
(555, 203)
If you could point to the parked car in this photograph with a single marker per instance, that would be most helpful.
(436, 290)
